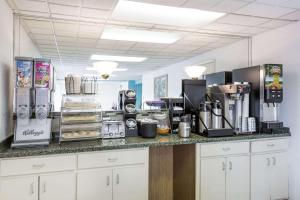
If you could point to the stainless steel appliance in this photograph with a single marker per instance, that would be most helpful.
(205, 116)
(113, 129)
(267, 93)
(234, 99)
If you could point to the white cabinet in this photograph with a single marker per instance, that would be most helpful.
(130, 183)
(213, 184)
(25, 188)
(269, 176)
(57, 186)
(93, 184)
(224, 171)
(238, 178)
(121, 175)
(45, 187)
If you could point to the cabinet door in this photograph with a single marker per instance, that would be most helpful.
(25, 188)
(279, 176)
(260, 167)
(130, 183)
(58, 186)
(213, 179)
(238, 178)
(94, 184)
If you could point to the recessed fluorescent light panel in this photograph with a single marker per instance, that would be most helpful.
(121, 69)
(167, 15)
(136, 35)
(118, 58)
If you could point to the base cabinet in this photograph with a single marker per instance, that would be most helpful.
(130, 183)
(93, 184)
(225, 178)
(269, 176)
(125, 183)
(25, 188)
(57, 186)
(44, 187)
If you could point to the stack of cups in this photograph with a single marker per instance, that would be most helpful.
(251, 124)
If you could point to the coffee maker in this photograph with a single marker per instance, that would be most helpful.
(234, 99)
(33, 90)
(267, 93)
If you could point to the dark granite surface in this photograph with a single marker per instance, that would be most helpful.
(130, 142)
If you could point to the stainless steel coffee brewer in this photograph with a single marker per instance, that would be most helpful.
(234, 99)
(267, 93)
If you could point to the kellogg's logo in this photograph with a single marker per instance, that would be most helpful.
(32, 132)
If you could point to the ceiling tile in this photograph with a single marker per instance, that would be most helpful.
(229, 6)
(242, 20)
(292, 16)
(163, 2)
(41, 31)
(271, 2)
(263, 10)
(94, 13)
(66, 26)
(39, 6)
(66, 2)
(100, 4)
(274, 24)
(254, 30)
(202, 4)
(38, 24)
(226, 27)
(64, 10)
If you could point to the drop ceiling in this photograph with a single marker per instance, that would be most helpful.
(69, 31)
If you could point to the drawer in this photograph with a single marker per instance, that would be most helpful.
(37, 165)
(112, 158)
(269, 145)
(227, 148)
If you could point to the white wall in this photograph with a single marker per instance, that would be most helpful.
(24, 47)
(23, 44)
(6, 68)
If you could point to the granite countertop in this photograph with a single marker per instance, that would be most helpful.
(126, 143)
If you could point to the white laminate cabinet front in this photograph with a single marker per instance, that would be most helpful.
(34, 165)
(226, 148)
(213, 183)
(112, 158)
(130, 183)
(58, 186)
(260, 167)
(95, 184)
(279, 176)
(238, 178)
(19, 188)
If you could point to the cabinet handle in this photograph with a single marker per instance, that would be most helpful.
(230, 165)
(223, 166)
(38, 166)
(269, 161)
(270, 145)
(107, 181)
(32, 188)
(226, 149)
(274, 160)
(44, 187)
(118, 179)
(112, 159)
